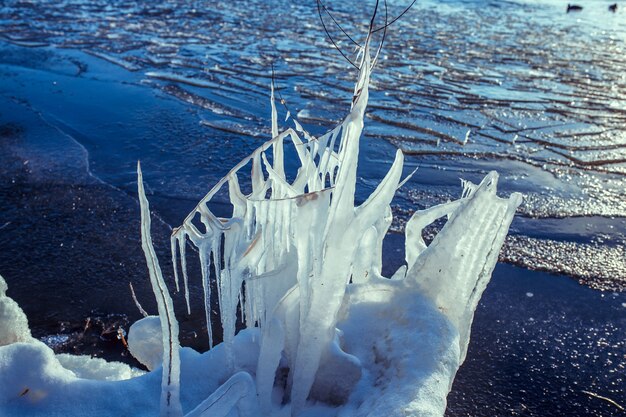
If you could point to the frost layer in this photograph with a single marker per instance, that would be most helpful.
(326, 334)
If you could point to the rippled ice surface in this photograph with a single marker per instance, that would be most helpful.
(463, 87)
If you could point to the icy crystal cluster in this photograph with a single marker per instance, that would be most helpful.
(288, 252)
(292, 250)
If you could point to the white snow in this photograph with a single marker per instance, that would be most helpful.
(86, 367)
(326, 334)
(13, 321)
(145, 342)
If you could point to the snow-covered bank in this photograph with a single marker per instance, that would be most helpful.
(327, 334)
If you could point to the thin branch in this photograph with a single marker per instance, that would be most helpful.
(396, 18)
(600, 397)
(291, 115)
(139, 307)
(280, 96)
(319, 11)
(382, 41)
(374, 16)
(338, 25)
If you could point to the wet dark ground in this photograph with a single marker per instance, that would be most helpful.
(87, 89)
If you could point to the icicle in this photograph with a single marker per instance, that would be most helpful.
(415, 244)
(468, 188)
(237, 199)
(205, 266)
(174, 261)
(258, 179)
(182, 245)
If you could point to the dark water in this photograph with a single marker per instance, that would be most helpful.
(540, 345)
(463, 87)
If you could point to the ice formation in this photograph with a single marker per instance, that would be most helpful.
(170, 402)
(292, 249)
(325, 333)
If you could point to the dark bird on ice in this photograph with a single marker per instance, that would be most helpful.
(613, 7)
(573, 8)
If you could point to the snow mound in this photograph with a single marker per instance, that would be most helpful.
(145, 342)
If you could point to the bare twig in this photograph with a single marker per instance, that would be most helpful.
(121, 336)
(291, 115)
(395, 19)
(382, 41)
(322, 7)
(319, 11)
(338, 25)
(139, 307)
(600, 397)
(374, 16)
